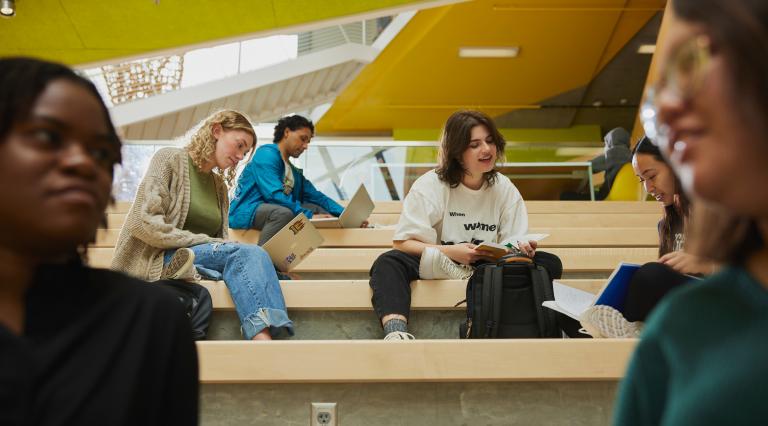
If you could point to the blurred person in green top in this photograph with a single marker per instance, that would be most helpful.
(702, 357)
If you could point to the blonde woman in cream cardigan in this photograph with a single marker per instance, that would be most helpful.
(177, 225)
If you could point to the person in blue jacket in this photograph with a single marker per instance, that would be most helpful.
(271, 191)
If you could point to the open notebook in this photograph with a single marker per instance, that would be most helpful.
(573, 302)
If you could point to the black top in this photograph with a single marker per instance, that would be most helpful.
(100, 348)
(15, 379)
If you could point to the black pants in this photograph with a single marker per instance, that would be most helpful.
(648, 286)
(393, 271)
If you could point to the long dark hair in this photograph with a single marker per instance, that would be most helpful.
(739, 32)
(676, 215)
(455, 139)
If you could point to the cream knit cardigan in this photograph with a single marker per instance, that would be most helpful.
(154, 222)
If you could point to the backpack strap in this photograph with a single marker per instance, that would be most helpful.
(476, 312)
(497, 283)
(542, 291)
(484, 315)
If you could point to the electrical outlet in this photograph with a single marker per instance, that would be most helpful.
(323, 414)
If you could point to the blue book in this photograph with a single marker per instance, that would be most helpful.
(574, 302)
(614, 293)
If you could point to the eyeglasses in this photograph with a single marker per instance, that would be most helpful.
(680, 80)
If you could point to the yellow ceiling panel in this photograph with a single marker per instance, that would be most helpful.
(83, 31)
(419, 79)
(43, 25)
(142, 24)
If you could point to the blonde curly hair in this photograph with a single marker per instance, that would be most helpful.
(202, 143)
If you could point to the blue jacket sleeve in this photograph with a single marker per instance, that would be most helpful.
(312, 195)
(268, 174)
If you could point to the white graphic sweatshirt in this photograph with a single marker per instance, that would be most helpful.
(435, 213)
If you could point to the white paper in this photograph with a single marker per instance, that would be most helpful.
(534, 237)
(569, 301)
(526, 238)
(551, 304)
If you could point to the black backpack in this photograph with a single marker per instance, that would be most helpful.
(196, 301)
(504, 301)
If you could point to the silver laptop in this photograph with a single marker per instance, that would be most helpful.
(357, 211)
(292, 244)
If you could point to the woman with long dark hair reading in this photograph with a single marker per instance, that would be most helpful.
(653, 280)
(675, 266)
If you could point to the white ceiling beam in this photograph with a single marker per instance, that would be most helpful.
(144, 109)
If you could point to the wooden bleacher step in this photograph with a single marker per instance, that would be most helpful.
(558, 237)
(590, 259)
(364, 361)
(535, 220)
(341, 309)
(355, 295)
(533, 206)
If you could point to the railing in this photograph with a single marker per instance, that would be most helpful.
(363, 32)
(338, 167)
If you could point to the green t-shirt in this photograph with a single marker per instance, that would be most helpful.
(204, 216)
(703, 357)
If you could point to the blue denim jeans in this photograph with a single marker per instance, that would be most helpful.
(250, 276)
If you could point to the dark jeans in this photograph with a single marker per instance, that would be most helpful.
(393, 271)
(271, 218)
(648, 286)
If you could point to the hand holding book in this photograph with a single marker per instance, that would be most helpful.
(525, 245)
(492, 250)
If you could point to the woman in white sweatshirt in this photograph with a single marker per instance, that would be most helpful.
(446, 214)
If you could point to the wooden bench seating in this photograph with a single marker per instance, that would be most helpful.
(591, 259)
(534, 206)
(350, 361)
(558, 237)
(542, 214)
(586, 241)
(543, 220)
(355, 295)
(535, 220)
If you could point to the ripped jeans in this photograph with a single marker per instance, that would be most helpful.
(250, 276)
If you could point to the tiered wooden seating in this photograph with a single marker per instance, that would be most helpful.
(535, 220)
(590, 259)
(541, 214)
(596, 249)
(588, 237)
(355, 295)
(546, 207)
(558, 237)
(350, 361)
